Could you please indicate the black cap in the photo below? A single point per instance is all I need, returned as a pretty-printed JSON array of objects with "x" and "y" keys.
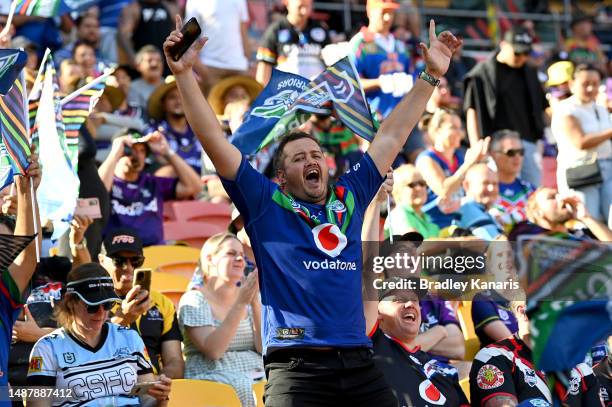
[
  {"x": 92, "y": 284},
  {"x": 520, "y": 39},
  {"x": 398, "y": 287},
  {"x": 124, "y": 239}
]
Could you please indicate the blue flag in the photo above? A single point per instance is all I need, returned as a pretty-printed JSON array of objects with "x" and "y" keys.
[
  {"x": 6, "y": 167},
  {"x": 271, "y": 104},
  {"x": 12, "y": 62}
]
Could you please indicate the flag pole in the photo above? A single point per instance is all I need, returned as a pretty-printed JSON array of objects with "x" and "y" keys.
[
  {"x": 389, "y": 213},
  {"x": 32, "y": 192},
  {"x": 87, "y": 86},
  {"x": 9, "y": 19},
  {"x": 37, "y": 81}
]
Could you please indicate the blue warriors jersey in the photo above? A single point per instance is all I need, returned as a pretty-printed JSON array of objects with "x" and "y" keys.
[
  {"x": 101, "y": 376},
  {"x": 309, "y": 277}
]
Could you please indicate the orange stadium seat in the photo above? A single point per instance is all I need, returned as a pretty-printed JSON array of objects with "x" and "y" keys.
[
  {"x": 258, "y": 390},
  {"x": 174, "y": 296},
  {"x": 179, "y": 268},
  {"x": 191, "y": 232},
  {"x": 168, "y": 282},
  {"x": 156, "y": 256},
  {"x": 202, "y": 393}
]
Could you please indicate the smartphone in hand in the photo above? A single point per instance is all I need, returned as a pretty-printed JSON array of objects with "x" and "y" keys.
[
  {"x": 191, "y": 31},
  {"x": 142, "y": 277},
  {"x": 88, "y": 207}
]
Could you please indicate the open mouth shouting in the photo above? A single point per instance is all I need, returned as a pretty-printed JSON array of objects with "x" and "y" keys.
[
  {"x": 312, "y": 177},
  {"x": 409, "y": 315}
]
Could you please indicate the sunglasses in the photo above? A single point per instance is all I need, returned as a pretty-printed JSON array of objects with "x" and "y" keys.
[
  {"x": 513, "y": 152},
  {"x": 414, "y": 184},
  {"x": 106, "y": 306},
  {"x": 121, "y": 262},
  {"x": 521, "y": 54}
]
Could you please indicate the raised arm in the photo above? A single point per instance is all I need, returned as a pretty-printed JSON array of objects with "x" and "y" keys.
[
  {"x": 24, "y": 265},
  {"x": 225, "y": 157},
  {"x": 189, "y": 183},
  {"x": 369, "y": 236},
  {"x": 394, "y": 131}
]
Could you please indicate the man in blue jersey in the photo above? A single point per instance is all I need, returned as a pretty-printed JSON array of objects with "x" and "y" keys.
[
  {"x": 306, "y": 239},
  {"x": 14, "y": 279}
]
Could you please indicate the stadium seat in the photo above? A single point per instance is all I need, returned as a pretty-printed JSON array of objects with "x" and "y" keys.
[
  {"x": 472, "y": 344},
  {"x": 179, "y": 268},
  {"x": 217, "y": 214},
  {"x": 258, "y": 390},
  {"x": 192, "y": 233},
  {"x": 166, "y": 282},
  {"x": 202, "y": 393},
  {"x": 169, "y": 211},
  {"x": 156, "y": 256},
  {"x": 174, "y": 296},
  {"x": 465, "y": 386}
]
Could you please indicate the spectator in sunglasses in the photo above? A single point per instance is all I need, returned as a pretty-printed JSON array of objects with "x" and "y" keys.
[
  {"x": 504, "y": 92},
  {"x": 95, "y": 359},
  {"x": 508, "y": 152},
  {"x": 410, "y": 194},
  {"x": 149, "y": 313}
]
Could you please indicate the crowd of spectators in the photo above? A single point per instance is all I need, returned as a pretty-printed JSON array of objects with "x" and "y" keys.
[{"x": 472, "y": 170}]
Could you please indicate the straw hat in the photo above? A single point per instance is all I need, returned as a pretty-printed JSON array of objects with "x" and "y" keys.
[
  {"x": 155, "y": 107},
  {"x": 218, "y": 92}
]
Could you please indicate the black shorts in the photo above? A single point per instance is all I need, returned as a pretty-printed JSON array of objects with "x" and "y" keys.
[{"x": 336, "y": 377}]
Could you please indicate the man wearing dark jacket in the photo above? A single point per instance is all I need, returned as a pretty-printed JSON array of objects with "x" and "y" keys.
[{"x": 503, "y": 92}]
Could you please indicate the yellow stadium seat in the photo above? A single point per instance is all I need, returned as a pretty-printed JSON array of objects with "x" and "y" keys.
[
  {"x": 156, "y": 256},
  {"x": 174, "y": 296},
  {"x": 465, "y": 386},
  {"x": 168, "y": 282},
  {"x": 258, "y": 390},
  {"x": 472, "y": 344},
  {"x": 202, "y": 393},
  {"x": 179, "y": 268}
]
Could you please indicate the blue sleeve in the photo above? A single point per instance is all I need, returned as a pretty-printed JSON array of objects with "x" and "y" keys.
[
  {"x": 364, "y": 180},
  {"x": 251, "y": 192},
  {"x": 478, "y": 222},
  {"x": 483, "y": 312}
]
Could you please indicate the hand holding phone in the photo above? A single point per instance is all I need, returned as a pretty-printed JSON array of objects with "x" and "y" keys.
[
  {"x": 142, "y": 277},
  {"x": 175, "y": 46},
  {"x": 89, "y": 207},
  {"x": 190, "y": 33}
]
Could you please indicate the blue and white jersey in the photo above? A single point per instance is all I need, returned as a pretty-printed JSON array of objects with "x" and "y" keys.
[
  {"x": 309, "y": 278},
  {"x": 95, "y": 376}
]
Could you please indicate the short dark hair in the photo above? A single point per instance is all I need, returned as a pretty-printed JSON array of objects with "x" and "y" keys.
[
  {"x": 279, "y": 155},
  {"x": 78, "y": 43},
  {"x": 80, "y": 19},
  {"x": 500, "y": 135},
  {"x": 586, "y": 67}
]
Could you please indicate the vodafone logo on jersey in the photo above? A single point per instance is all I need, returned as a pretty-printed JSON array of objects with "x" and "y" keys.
[
  {"x": 329, "y": 239},
  {"x": 430, "y": 393}
]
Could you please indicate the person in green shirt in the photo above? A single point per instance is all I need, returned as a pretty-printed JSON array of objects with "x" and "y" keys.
[{"x": 410, "y": 194}]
